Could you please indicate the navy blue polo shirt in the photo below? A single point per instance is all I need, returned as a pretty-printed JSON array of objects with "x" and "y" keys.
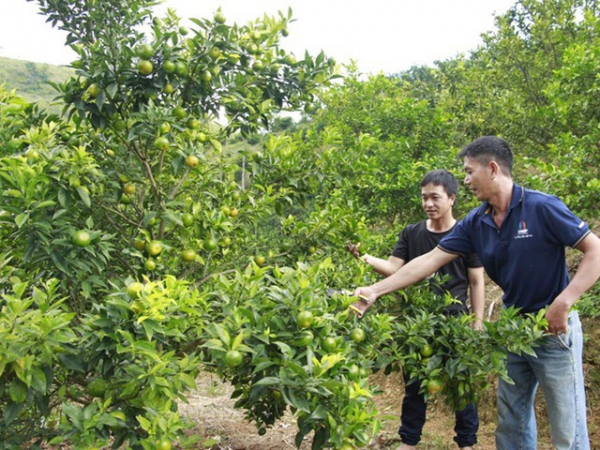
[{"x": 526, "y": 255}]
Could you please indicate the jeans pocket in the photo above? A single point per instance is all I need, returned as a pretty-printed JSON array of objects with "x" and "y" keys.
[{"x": 563, "y": 341}]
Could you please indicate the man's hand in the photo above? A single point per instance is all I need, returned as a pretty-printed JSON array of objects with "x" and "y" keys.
[
  {"x": 353, "y": 249},
  {"x": 366, "y": 299},
  {"x": 478, "y": 325},
  {"x": 558, "y": 317}
]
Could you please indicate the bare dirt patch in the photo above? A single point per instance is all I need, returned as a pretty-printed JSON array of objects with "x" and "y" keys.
[{"x": 211, "y": 409}]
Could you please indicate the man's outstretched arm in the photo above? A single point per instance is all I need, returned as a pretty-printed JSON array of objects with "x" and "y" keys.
[{"x": 409, "y": 274}]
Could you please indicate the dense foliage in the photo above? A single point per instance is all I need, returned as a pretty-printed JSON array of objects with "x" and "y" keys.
[
  {"x": 534, "y": 82},
  {"x": 144, "y": 238}
]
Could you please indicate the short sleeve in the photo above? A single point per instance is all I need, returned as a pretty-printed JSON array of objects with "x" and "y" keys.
[
  {"x": 401, "y": 249},
  {"x": 565, "y": 227},
  {"x": 473, "y": 261},
  {"x": 459, "y": 241}
]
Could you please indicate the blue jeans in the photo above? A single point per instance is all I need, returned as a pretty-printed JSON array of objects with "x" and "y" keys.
[
  {"x": 414, "y": 411},
  {"x": 558, "y": 369}
]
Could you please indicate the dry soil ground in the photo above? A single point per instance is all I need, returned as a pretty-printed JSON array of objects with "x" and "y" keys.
[{"x": 212, "y": 411}]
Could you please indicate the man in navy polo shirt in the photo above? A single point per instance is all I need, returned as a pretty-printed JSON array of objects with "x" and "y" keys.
[{"x": 520, "y": 236}]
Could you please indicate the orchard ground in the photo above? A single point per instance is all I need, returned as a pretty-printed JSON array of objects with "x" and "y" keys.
[{"x": 211, "y": 409}]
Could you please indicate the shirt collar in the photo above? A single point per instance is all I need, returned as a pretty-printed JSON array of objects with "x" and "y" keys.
[{"x": 517, "y": 197}]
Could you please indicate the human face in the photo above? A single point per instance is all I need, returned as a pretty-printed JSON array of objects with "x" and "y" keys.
[
  {"x": 478, "y": 178},
  {"x": 436, "y": 202}
]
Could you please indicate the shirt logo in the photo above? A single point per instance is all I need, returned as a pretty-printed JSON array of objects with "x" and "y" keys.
[{"x": 523, "y": 231}]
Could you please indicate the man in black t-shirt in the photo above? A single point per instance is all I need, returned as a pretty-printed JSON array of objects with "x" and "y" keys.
[
  {"x": 438, "y": 194},
  {"x": 417, "y": 239}
]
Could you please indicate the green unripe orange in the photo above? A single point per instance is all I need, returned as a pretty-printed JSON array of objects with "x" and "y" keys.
[
  {"x": 145, "y": 67},
  {"x": 304, "y": 319},
  {"x": 233, "y": 358},
  {"x": 154, "y": 247},
  {"x": 144, "y": 51},
  {"x": 188, "y": 255},
  {"x": 134, "y": 289},
  {"x": 81, "y": 238}
]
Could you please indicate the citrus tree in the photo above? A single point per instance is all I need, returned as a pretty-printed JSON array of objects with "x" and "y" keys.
[{"x": 119, "y": 214}]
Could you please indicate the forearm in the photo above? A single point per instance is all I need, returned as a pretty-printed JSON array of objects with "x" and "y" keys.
[
  {"x": 587, "y": 274},
  {"x": 412, "y": 272},
  {"x": 381, "y": 266},
  {"x": 478, "y": 301},
  {"x": 408, "y": 274},
  {"x": 477, "y": 292}
]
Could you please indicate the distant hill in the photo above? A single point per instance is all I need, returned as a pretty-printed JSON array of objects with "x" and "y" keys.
[{"x": 31, "y": 79}]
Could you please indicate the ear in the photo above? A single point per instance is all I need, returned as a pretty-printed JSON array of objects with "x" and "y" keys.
[
  {"x": 452, "y": 198},
  {"x": 494, "y": 169}
]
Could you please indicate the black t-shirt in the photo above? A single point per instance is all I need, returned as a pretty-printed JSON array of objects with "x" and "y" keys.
[{"x": 416, "y": 240}]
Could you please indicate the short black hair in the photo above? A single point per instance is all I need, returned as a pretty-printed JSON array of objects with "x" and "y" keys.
[
  {"x": 440, "y": 177},
  {"x": 490, "y": 148}
]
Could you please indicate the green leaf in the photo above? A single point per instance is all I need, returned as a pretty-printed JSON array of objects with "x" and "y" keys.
[
  {"x": 173, "y": 217},
  {"x": 11, "y": 411},
  {"x": 71, "y": 362},
  {"x": 60, "y": 262},
  {"x": 13, "y": 193},
  {"x": 223, "y": 335},
  {"x": 38, "y": 379},
  {"x": 144, "y": 423},
  {"x": 303, "y": 430},
  {"x": 17, "y": 391},
  {"x": 63, "y": 198},
  {"x": 320, "y": 439},
  {"x": 320, "y": 413},
  {"x": 214, "y": 344},
  {"x": 298, "y": 402},
  {"x": 57, "y": 440},
  {"x": 237, "y": 341},
  {"x": 21, "y": 219},
  {"x": 83, "y": 195},
  {"x": 74, "y": 414},
  {"x": 297, "y": 368},
  {"x": 263, "y": 365},
  {"x": 216, "y": 144},
  {"x": 144, "y": 346},
  {"x": 188, "y": 380},
  {"x": 111, "y": 90},
  {"x": 45, "y": 204},
  {"x": 151, "y": 327},
  {"x": 268, "y": 381},
  {"x": 285, "y": 348}
]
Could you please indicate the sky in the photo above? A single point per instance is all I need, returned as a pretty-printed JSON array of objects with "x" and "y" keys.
[{"x": 381, "y": 36}]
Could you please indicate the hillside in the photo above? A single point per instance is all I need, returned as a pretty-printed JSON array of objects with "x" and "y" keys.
[{"x": 31, "y": 80}]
